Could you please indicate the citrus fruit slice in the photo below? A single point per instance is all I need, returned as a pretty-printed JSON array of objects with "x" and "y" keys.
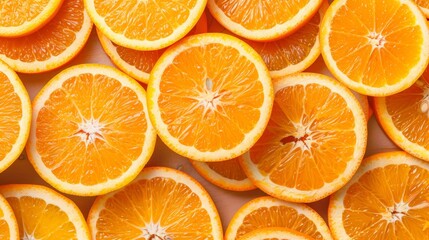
[
  {"x": 210, "y": 97},
  {"x": 265, "y": 212},
  {"x": 91, "y": 133},
  {"x": 314, "y": 142},
  {"x": 161, "y": 203},
  {"x": 225, "y": 174},
  {"x": 275, "y": 234},
  {"x": 51, "y": 46},
  {"x": 8, "y": 225},
  {"x": 424, "y": 6},
  {"x": 263, "y": 21},
  {"x": 15, "y": 116},
  {"x": 386, "y": 199},
  {"x": 23, "y": 17},
  {"x": 404, "y": 117},
  {"x": 375, "y": 48},
  {"x": 135, "y": 63},
  {"x": 147, "y": 25},
  {"x": 42, "y": 213}
]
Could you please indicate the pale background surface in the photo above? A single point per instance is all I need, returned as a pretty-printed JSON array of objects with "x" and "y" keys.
[{"x": 227, "y": 202}]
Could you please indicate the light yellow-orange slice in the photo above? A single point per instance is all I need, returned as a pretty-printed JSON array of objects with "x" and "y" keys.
[
  {"x": 263, "y": 20},
  {"x": 274, "y": 233},
  {"x": 265, "y": 212},
  {"x": 22, "y": 17},
  {"x": 8, "y": 225},
  {"x": 161, "y": 203},
  {"x": 424, "y": 6},
  {"x": 15, "y": 116},
  {"x": 52, "y": 46},
  {"x": 145, "y": 25},
  {"x": 314, "y": 142},
  {"x": 225, "y": 174},
  {"x": 210, "y": 97},
  {"x": 91, "y": 132},
  {"x": 376, "y": 47},
  {"x": 42, "y": 213},
  {"x": 386, "y": 199}
]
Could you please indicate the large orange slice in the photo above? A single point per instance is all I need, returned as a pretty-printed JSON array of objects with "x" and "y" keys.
[
  {"x": 162, "y": 203},
  {"x": 210, "y": 97},
  {"x": 375, "y": 47},
  {"x": 266, "y": 212},
  {"x": 314, "y": 142},
  {"x": 91, "y": 133},
  {"x": 386, "y": 199},
  {"x": 147, "y": 25},
  {"x": 262, "y": 21},
  {"x": 51, "y": 46},
  {"x": 424, "y": 6},
  {"x": 275, "y": 234},
  {"x": 15, "y": 116},
  {"x": 8, "y": 225}
]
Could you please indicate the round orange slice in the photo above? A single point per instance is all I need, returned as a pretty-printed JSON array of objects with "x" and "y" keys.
[
  {"x": 15, "y": 116},
  {"x": 161, "y": 203},
  {"x": 404, "y": 117},
  {"x": 52, "y": 46},
  {"x": 91, "y": 133},
  {"x": 388, "y": 198},
  {"x": 314, "y": 142},
  {"x": 266, "y": 212},
  {"x": 275, "y": 234},
  {"x": 8, "y": 225},
  {"x": 375, "y": 48},
  {"x": 424, "y": 6},
  {"x": 147, "y": 25},
  {"x": 263, "y": 21},
  {"x": 210, "y": 97},
  {"x": 225, "y": 174},
  {"x": 42, "y": 213},
  {"x": 22, "y": 17}
]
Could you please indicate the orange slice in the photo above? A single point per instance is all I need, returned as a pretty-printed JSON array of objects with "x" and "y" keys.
[
  {"x": 8, "y": 224},
  {"x": 51, "y": 46},
  {"x": 424, "y": 6},
  {"x": 91, "y": 133},
  {"x": 210, "y": 97},
  {"x": 15, "y": 116},
  {"x": 161, "y": 203},
  {"x": 314, "y": 142},
  {"x": 263, "y": 21},
  {"x": 405, "y": 118},
  {"x": 265, "y": 212},
  {"x": 139, "y": 64},
  {"x": 22, "y": 17},
  {"x": 386, "y": 199},
  {"x": 275, "y": 234},
  {"x": 147, "y": 25},
  {"x": 225, "y": 174},
  {"x": 42, "y": 213},
  {"x": 375, "y": 48}
]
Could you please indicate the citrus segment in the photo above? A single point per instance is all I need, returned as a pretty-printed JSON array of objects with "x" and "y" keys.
[
  {"x": 275, "y": 234},
  {"x": 424, "y": 6},
  {"x": 161, "y": 203},
  {"x": 8, "y": 224}
]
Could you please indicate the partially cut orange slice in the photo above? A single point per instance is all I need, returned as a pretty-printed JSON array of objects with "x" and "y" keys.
[{"x": 8, "y": 225}]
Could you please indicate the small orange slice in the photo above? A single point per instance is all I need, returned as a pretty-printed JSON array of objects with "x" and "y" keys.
[
  {"x": 51, "y": 46},
  {"x": 275, "y": 234},
  {"x": 8, "y": 225},
  {"x": 91, "y": 132},
  {"x": 388, "y": 198},
  {"x": 210, "y": 97},
  {"x": 424, "y": 6},
  {"x": 161, "y": 203},
  {"x": 265, "y": 212}
]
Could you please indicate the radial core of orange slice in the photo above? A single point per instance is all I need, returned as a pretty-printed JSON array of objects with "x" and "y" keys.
[
  {"x": 91, "y": 133},
  {"x": 388, "y": 198},
  {"x": 314, "y": 142},
  {"x": 210, "y": 97},
  {"x": 375, "y": 47},
  {"x": 52, "y": 46},
  {"x": 8, "y": 225},
  {"x": 147, "y": 25},
  {"x": 161, "y": 203}
]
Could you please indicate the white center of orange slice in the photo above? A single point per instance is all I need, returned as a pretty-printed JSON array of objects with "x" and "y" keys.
[
  {"x": 90, "y": 130},
  {"x": 424, "y": 105},
  {"x": 28, "y": 236},
  {"x": 377, "y": 40},
  {"x": 154, "y": 231}
]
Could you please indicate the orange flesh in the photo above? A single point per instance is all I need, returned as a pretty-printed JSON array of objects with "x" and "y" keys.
[
  {"x": 306, "y": 157},
  {"x": 367, "y": 201},
  {"x": 161, "y": 201},
  {"x": 209, "y": 101},
  {"x": 422, "y": 3},
  {"x": 59, "y": 137},
  {"x": 391, "y": 25},
  {"x": 51, "y": 40},
  {"x": 405, "y": 108},
  {"x": 230, "y": 169},
  {"x": 27, "y": 10},
  {"x": 4, "y": 227},
  {"x": 156, "y": 19},
  {"x": 10, "y": 114}
]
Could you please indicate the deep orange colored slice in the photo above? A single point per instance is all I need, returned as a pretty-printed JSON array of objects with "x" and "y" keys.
[
  {"x": 8, "y": 225},
  {"x": 424, "y": 6}
]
